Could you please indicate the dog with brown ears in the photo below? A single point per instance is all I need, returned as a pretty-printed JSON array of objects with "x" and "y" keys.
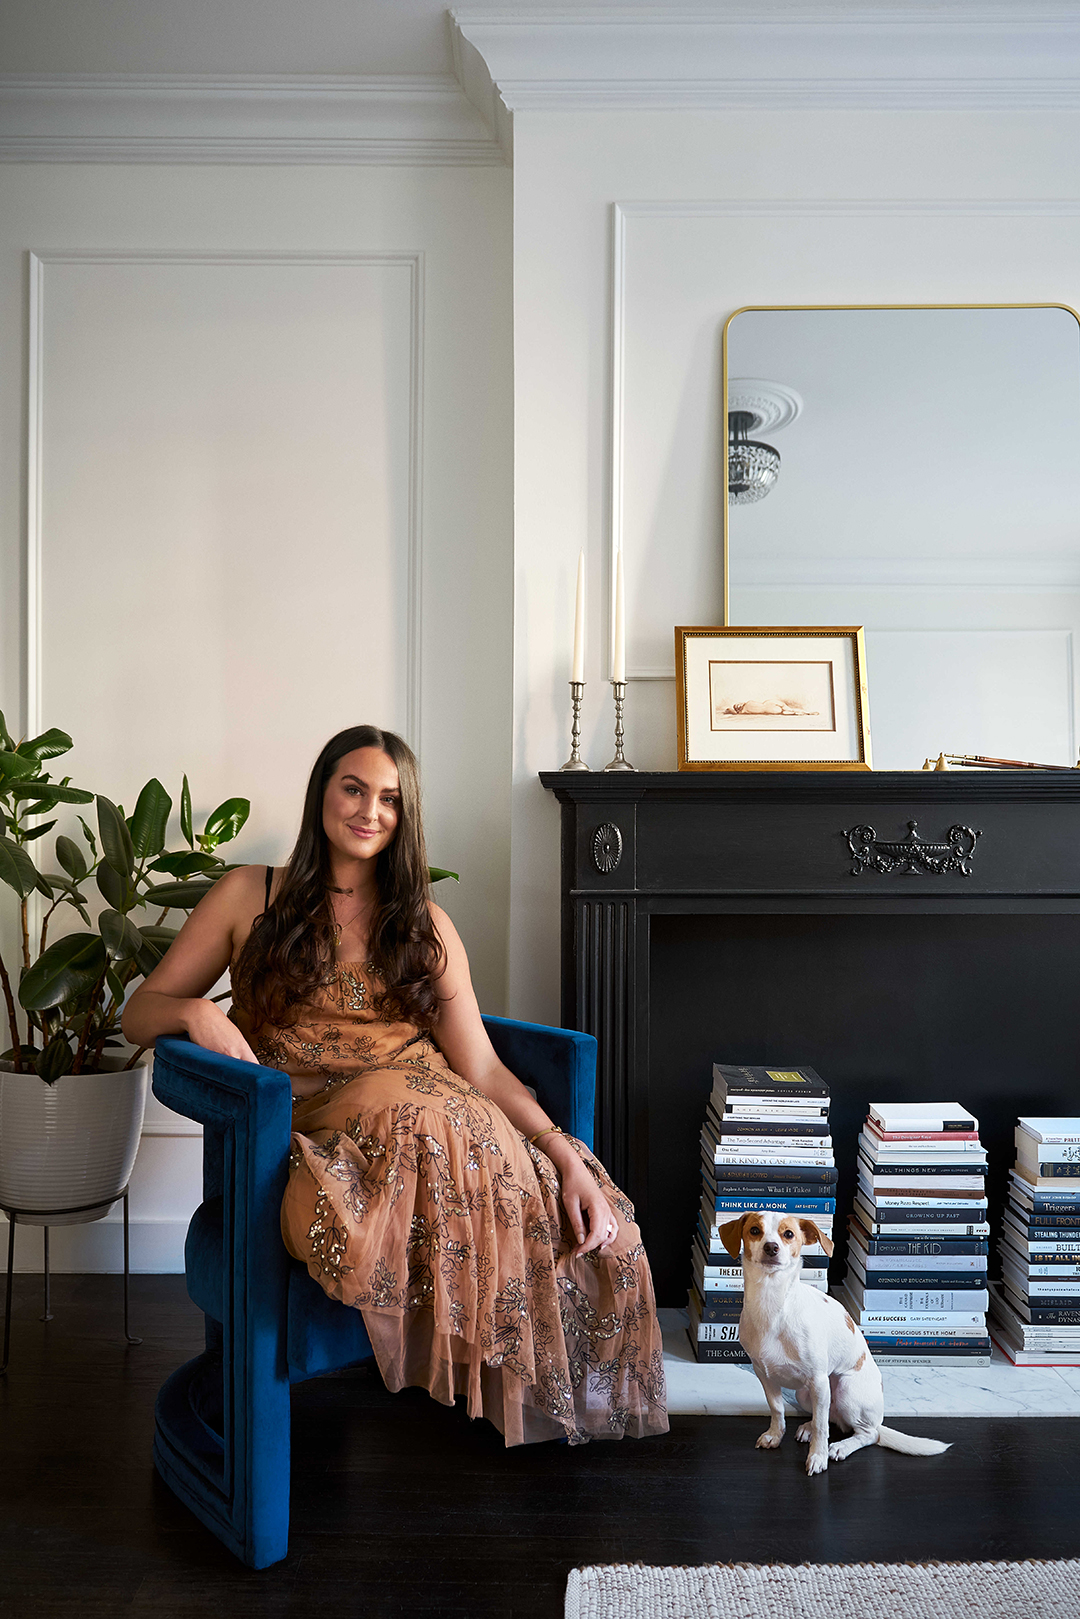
[{"x": 800, "y": 1338}]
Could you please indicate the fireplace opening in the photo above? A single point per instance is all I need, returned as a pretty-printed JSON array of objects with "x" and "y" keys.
[{"x": 976, "y": 1008}]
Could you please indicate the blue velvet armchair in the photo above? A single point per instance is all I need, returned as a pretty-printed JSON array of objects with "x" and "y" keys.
[{"x": 222, "y": 1421}]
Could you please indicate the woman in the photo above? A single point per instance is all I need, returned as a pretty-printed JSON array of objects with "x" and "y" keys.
[{"x": 488, "y": 1251}]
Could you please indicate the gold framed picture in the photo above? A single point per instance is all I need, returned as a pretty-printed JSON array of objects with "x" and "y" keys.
[{"x": 771, "y": 698}]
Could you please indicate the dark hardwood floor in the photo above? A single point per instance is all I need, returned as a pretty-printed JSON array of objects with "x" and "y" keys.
[{"x": 403, "y": 1507}]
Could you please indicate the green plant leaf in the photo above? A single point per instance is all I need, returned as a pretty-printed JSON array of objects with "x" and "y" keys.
[
  {"x": 17, "y": 869},
  {"x": 117, "y": 988},
  {"x": 436, "y": 874},
  {"x": 56, "y": 1060},
  {"x": 185, "y": 864},
  {"x": 114, "y": 889},
  {"x": 148, "y": 958},
  {"x": 182, "y": 896},
  {"x": 88, "y": 835},
  {"x": 155, "y": 934},
  {"x": 185, "y": 814},
  {"x": 49, "y": 745},
  {"x": 121, "y": 938},
  {"x": 17, "y": 766},
  {"x": 70, "y": 857},
  {"x": 37, "y": 831},
  {"x": 115, "y": 837},
  {"x": 150, "y": 819},
  {"x": 7, "y": 741},
  {"x": 51, "y": 793},
  {"x": 69, "y": 968},
  {"x": 227, "y": 820}
]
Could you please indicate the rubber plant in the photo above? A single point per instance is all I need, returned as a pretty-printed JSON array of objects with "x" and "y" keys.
[{"x": 69, "y": 994}]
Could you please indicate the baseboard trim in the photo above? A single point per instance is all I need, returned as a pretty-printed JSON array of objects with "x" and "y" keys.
[{"x": 157, "y": 1247}]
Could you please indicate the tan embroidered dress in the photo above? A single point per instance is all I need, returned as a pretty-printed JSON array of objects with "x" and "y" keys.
[{"x": 412, "y": 1198}]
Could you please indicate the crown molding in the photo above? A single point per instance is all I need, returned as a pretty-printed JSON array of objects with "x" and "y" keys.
[
  {"x": 189, "y": 118},
  {"x": 771, "y": 56}
]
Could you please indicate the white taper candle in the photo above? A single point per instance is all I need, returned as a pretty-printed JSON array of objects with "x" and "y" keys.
[
  {"x": 578, "y": 671},
  {"x": 618, "y": 651}
]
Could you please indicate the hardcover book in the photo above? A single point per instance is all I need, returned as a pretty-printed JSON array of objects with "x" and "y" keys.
[
  {"x": 1060, "y": 1312},
  {"x": 733, "y": 1201},
  {"x": 1049, "y": 1171},
  {"x": 1061, "y": 1131},
  {"x": 1044, "y": 1199},
  {"x": 886, "y": 1319},
  {"x": 942, "y": 1344},
  {"x": 743, "y": 1129},
  {"x": 802, "y": 1112},
  {"x": 934, "y": 1116},
  {"x": 923, "y": 1300},
  {"x": 752, "y": 1083},
  {"x": 944, "y": 1136},
  {"x": 734, "y": 1354},
  {"x": 810, "y": 1175},
  {"x": 919, "y": 1247},
  {"x": 969, "y": 1358},
  {"x": 714, "y": 1332}
]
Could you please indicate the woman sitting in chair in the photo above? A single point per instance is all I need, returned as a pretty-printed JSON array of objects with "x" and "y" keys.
[{"x": 489, "y": 1252}]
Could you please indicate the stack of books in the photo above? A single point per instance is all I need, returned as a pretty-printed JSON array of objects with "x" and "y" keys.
[
  {"x": 765, "y": 1145},
  {"x": 1035, "y": 1310},
  {"x": 919, "y": 1237}
]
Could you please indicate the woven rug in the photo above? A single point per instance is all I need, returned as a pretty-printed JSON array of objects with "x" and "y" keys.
[{"x": 816, "y": 1591}]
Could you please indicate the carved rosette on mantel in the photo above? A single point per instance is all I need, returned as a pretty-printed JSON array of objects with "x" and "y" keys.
[{"x": 647, "y": 854}]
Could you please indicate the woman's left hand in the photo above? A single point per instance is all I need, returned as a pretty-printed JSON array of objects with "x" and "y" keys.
[{"x": 592, "y": 1219}]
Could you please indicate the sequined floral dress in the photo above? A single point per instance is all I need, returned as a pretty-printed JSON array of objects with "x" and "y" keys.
[{"x": 412, "y": 1198}]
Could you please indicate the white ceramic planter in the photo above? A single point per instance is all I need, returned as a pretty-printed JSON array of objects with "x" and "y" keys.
[{"x": 65, "y": 1145}]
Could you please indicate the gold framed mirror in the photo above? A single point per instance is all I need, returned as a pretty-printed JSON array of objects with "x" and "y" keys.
[{"x": 915, "y": 468}]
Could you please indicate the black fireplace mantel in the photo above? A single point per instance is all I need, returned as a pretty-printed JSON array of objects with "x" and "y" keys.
[{"x": 683, "y": 893}]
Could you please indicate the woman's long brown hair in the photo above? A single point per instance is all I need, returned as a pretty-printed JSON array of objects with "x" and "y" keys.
[{"x": 289, "y": 952}]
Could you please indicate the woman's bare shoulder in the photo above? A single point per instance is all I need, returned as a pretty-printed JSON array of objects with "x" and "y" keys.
[{"x": 241, "y": 893}]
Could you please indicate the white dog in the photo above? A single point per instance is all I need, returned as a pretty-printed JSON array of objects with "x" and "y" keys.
[{"x": 798, "y": 1337}]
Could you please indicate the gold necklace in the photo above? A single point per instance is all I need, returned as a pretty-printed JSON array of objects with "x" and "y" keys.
[{"x": 339, "y": 927}]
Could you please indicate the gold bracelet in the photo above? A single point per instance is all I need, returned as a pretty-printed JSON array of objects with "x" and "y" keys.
[{"x": 552, "y": 1130}]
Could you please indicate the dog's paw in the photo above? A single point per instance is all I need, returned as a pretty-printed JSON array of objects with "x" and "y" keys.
[
  {"x": 768, "y": 1440},
  {"x": 839, "y": 1451},
  {"x": 805, "y": 1433},
  {"x": 816, "y": 1462}
]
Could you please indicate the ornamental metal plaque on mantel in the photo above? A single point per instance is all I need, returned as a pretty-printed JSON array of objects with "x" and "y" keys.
[{"x": 913, "y": 853}]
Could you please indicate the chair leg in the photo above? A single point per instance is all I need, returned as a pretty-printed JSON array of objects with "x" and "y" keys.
[
  {"x": 127, "y": 1278},
  {"x": 7, "y": 1293},
  {"x": 48, "y": 1316},
  {"x": 236, "y": 1482}
]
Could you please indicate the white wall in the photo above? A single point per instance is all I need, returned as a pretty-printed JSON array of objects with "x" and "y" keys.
[
  {"x": 615, "y": 214},
  {"x": 273, "y": 454}
]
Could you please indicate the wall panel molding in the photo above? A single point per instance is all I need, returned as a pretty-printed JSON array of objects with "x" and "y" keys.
[
  {"x": 412, "y": 262},
  {"x": 193, "y": 118},
  {"x": 916, "y": 574}
]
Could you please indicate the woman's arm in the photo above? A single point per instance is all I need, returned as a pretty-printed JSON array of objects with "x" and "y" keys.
[
  {"x": 464, "y": 1043},
  {"x": 172, "y": 1000}
]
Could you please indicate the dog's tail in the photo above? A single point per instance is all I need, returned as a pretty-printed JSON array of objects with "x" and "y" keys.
[{"x": 890, "y": 1439}]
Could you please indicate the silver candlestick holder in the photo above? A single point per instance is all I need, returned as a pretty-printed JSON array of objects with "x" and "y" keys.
[
  {"x": 575, "y": 761},
  {"x": 619, "y": 763}
]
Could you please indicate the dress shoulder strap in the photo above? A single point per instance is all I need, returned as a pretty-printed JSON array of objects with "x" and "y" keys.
[{"x": 269, "y": 885}]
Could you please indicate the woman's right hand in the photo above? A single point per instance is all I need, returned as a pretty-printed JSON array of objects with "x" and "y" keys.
[{"x": 209, "y": 1026}]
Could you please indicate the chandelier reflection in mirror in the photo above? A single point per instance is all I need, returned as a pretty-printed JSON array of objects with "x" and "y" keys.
[{"x": 755, "y": 406}]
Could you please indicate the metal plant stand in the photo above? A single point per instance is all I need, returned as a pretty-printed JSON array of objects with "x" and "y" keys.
[{"x": 37, "y": 1215}]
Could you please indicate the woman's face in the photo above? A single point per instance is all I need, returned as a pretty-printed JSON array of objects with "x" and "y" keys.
[{"x": 362, "y": 804}]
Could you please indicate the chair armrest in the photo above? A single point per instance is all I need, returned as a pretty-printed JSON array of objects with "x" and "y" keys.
[
  {"x": 219, "y": 1092},
  {"x": 246, "y": 1113},
  {"x": 560, "y": 1065}
]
